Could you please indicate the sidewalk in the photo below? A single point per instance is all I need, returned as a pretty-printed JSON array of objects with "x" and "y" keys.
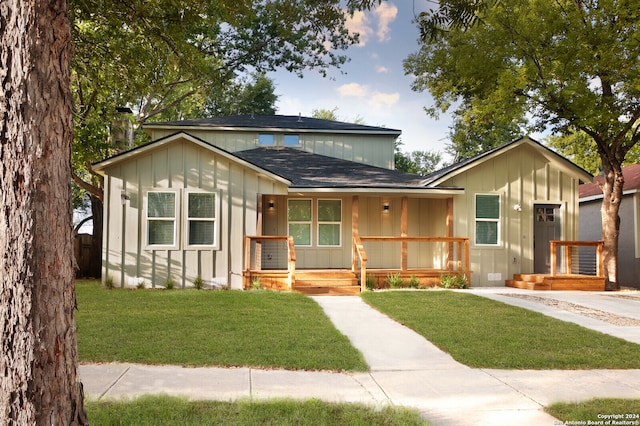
[{"x": 405, "y": 370}]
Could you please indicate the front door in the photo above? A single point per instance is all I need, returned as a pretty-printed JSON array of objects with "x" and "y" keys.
[{"x": 547, "y": 227}]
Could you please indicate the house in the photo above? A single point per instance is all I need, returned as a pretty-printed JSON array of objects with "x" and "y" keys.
[
  {"x": 629, "y": 213},
  {"x": 270, "y": 199}
]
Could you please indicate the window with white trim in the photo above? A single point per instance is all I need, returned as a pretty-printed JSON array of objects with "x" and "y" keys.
[
  {"x": 329, "y": 222},
  {"x": 201, "y": 219},
  {"x": 266, "y": 139},
  {"x": 299, "y": 217},
  {"x": 162, "y": 217},
  {"x": 291, "y": 140},
  {"x": 487, "y": 219}
]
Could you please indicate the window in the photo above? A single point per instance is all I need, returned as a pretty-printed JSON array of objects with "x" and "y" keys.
[
  {"x": 265, "y": 139},
  {"x": 487, "y": 219},
  {"x": 329, "y": 222},
  {"x": 299, "y": 217},
  {"x": 201, "y": 221},
  {"x": 291, "y": 140},
  {"x": 162, "y": 214}
]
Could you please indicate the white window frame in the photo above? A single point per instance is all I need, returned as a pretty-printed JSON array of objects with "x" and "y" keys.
[
  {"x": 339, "y": 223},
  {"x": 298, "y": 222},
  {"x": 497, "y": 221},
  {"x": 187, "y": 220},
  {"x": 175, "y": 219}
]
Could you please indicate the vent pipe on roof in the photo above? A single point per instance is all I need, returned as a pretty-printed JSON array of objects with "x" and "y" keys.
[{"x": 299, "y": 117}]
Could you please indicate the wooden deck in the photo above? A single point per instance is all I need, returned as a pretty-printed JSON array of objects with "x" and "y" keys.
[
  {"x": 557, "y": 282},
  {"x": 340, "y": 282}
]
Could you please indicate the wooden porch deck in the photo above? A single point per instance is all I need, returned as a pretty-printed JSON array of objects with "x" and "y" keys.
[
  {"x": 557, "y": 282},
  {"x": 340, "y": 282}
]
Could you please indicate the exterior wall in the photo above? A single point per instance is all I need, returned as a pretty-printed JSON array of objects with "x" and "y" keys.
[
  {"x": 376, "y": 150},
  {"x": 520, "y": 176},
  {"x": 426, "y": 217},
  {"x": 629, "y": 240},
  {"x": 179, "y": 166}
]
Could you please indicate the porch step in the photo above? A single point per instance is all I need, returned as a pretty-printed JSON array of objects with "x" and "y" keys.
[
  {"x": 558, "y": 282},
  {"x": 528, "y": 282},
  {"x": 327, "y": 283}
]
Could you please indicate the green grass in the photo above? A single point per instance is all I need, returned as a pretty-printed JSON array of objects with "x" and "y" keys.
[
  {"x": 483, "y": 333},
  {"x": 164, "y": 410},
  {"x": 207, "y": 328},
  {"x": 594, "y": 410}
]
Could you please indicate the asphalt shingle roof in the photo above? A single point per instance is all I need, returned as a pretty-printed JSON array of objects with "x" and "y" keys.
[
  {"x": 308, "y": 170},
  {"x": 279, "y": 122}
]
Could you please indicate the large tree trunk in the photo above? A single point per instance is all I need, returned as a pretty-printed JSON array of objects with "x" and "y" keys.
[
  {"x": 39, "y": 381},
  {"x": 612, "y": 197}
]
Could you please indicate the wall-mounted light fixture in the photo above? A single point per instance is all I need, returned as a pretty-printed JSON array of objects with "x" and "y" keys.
[
  {"x": 517, "y": 207},
  {"x": 385, "y": 207},
  {"x": 272, "y": 205},
  {"x": 123, "y": 197}
]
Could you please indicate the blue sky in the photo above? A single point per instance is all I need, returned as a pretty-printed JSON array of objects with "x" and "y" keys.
[{"x": 372, "y": 85}]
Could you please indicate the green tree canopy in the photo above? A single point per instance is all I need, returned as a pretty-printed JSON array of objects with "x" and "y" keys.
[
  {"x": 417, "y": 162},
  {"x": 565, "y": 64}
]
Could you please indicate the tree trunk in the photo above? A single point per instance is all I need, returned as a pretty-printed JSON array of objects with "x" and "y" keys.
[
  {"x": 612, "y": 197},
  {"x": 39, "y": 381}
]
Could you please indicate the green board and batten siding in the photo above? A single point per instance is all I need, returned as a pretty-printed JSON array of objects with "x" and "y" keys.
[
  {"x": 523, "y": 176},
  {"x": 179, "y": 165},
  {"x": 375, "y": 150}
]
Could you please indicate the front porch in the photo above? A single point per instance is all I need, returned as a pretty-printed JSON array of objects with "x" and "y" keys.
[
  {"x": 579, "y": 271},
  {"x": 270, "y": 263}
]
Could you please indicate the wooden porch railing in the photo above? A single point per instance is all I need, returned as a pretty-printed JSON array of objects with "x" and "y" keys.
[
  {"x": 457, "y": 253},
  {"x": 256, "y": 265},
  {"x": 568, "y": 255}
]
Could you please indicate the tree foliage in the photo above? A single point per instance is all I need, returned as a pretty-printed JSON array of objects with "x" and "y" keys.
[
  {"x": 582, "y": 150},
  {"x": 566, "y": 64},
  {"x": 416, "y": 162}
]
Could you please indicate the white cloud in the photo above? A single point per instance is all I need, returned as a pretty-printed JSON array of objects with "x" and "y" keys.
[
  {"x": 380, "y": 69},
  {"x": 375, "y": 99},
  {"x": 385, "y": 13},
  {"x": 359, "y": 23},
  {"x": 384, "y": 100},
  {"x": 353, "y": 90}
]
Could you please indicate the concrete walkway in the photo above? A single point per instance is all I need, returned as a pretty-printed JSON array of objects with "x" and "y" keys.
[{"x": 406, "y": 370}]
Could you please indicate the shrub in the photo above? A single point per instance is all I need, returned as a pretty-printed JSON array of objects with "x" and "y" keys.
[
  {"x": 198, "y": 283},
  {"x": 256, "y": 283},
  {"x": 108, "y": 282},
  {"x": 394, "y": 280},
  {"x": 414, "y": 282},
  {"x": 140, "y": 285},
  {"x": 169, "y": 284},
  {"x": 454, "y": 281},
  {"x": 370, "y": 282}
]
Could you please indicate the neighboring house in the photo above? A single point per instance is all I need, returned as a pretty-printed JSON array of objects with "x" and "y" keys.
[
  {"x": 216, "y": 199},
  {"x": 629, "y": 213}
]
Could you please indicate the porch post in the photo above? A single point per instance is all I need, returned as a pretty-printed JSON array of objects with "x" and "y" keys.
[
  {"x": 355, "y": 212},
  {"x": 449, "y": 233},
  {"x": 404, "y": 226}
]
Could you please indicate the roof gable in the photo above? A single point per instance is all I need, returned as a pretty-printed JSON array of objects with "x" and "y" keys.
[
  {"x": 438, "y": 177},
  {"x": 273, "y": 123},
  {"x": 136, "y": 152}
]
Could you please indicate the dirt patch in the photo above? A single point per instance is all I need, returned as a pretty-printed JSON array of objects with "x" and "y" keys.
[{"x": 583, "y": 310}]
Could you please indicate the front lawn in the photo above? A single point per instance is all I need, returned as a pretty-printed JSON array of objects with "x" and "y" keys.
[
  {"x": 163, "y": 410},
  {"x": 207, "y": 328},
  {"x": 483, "y": 333},
  {"x": 609, "y": 411}
]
